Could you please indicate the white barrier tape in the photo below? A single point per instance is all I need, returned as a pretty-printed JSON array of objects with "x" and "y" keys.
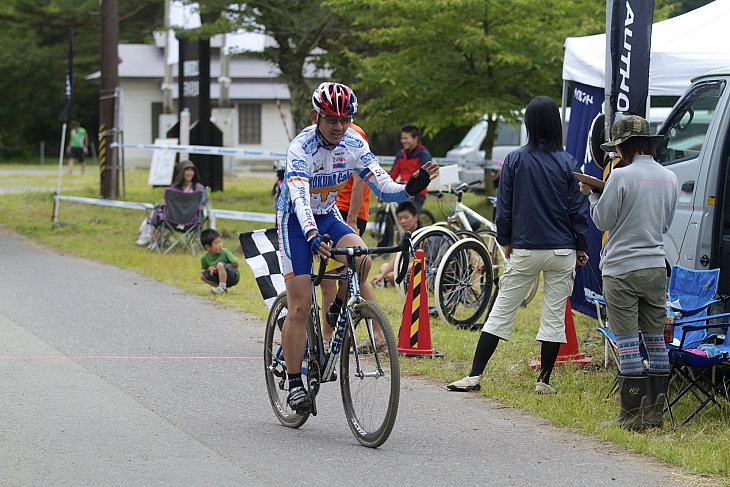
[
  {"x": 249, "y": 154},
  {"x": 245, "y": 216},
  {"x": 133, "y": 205},
  {"x": 204, "y": 149}
]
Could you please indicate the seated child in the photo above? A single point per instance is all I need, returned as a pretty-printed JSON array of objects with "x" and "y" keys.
[{"x": 220, "y": 267}]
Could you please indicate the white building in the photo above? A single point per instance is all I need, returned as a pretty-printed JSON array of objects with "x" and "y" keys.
[{"x": 253, "y": 122}]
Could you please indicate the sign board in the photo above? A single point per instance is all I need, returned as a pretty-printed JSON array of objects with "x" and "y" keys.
[
  {"x": 162, "y": 166},
  {"x": 447, "y": 176}
]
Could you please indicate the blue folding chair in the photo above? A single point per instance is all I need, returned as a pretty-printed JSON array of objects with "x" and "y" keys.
[
  {"x": 691, "y": 293},
  {"x": 694, "y": 353}
]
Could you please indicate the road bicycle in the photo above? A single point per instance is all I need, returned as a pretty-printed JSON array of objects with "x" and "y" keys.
[
  {"x": 385, "y": 226},
  {"x": 364, "y": 343}
]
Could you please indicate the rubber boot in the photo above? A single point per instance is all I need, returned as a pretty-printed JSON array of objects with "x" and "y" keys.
[
  {"x": 656, "y": 395},
  {"x": 632, "y": 390}
]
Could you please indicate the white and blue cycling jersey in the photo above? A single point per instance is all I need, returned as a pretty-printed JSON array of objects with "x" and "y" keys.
[{"x": 315, "y": 174}]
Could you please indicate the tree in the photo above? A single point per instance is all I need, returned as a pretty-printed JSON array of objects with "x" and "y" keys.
[
  {"x": 35, "y": 37},
  {"x": 299, "y": 28},
  {"x": 442, "y": 63}
]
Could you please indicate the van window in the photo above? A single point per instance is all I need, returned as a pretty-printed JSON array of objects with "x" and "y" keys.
[
  {"x": 685, "y": 132},
  {"x": 507, "y": 135}
]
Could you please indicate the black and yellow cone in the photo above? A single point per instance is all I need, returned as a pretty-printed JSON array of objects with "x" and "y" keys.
[{"x": 414, "y": 337}]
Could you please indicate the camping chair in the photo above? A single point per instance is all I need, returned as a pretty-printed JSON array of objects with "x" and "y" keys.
[
  {"x": 180, "y": 221},
  {"x": 692, "y": 354},
  {"x": 694, "y": 366},
  {"x": 691, "y": 292}
]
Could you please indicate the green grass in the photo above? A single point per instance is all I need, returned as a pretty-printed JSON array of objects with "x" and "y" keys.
[{"x": 108, "y": 235}]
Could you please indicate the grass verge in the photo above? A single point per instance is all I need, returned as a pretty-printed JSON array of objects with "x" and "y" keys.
[{"x": 108, "y": 235}]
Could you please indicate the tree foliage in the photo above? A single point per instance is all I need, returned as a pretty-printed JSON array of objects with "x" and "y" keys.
[
  {"x": 302, "y": 29},
  {"x": 35, "y": 37},
  {"x": 449, "y": 62}
]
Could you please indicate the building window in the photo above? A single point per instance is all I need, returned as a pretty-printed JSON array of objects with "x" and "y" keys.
[{"x": 249, "y": 124}]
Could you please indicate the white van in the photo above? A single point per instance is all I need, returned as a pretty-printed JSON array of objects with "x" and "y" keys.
[
  {"x": 469, "y": 153},
  {"x": 696, "y": 147}
]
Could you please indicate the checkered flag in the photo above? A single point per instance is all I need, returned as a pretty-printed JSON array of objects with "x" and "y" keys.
[{"x": 261, "y": 250}]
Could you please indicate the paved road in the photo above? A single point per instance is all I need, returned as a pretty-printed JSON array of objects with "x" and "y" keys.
[{"x": 111, "y": 378}]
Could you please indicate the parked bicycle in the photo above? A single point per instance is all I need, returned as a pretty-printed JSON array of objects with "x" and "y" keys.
[
  {"x": 385, "y": 226},
  {"x": 364, "y": 343}
]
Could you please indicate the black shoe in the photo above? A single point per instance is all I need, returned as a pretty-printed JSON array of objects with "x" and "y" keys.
[
  {"x": 299, "y": 400},
  {"x": 333, "y": 312}
]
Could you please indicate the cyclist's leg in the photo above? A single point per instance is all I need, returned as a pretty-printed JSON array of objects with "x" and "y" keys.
[
  {"x": 296, "y": 264},
  {"x": 363, "y": 264},
  {"x": 329, "y": 291}
]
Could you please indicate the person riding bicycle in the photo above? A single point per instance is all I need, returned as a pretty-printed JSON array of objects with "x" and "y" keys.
[{"x": 319, "y": 162}]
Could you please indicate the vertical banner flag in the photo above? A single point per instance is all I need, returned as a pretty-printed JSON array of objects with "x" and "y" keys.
[
  {"x": 63, "y": 117},
  {"x": 630, "y": 40},
  {"x": 584, "y": 107}
]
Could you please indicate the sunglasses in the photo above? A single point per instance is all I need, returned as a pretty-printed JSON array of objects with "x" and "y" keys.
[{"x": 330, "y": 120}]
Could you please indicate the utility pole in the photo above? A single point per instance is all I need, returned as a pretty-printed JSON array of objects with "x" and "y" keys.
[
  {"x": 167, "y": 82},
  {"x": 108, "y": 100}
]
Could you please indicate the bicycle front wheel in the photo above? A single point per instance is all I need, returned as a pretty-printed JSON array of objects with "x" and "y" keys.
[
  {"x": 464, "y": 283},
  {"x": 370, "y": 375},
  {"x": 434, "y": 241},
  {"x": 277, "y": 384}
]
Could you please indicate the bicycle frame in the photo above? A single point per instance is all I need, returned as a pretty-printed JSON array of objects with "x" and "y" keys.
[
  {"x": 462, "y": 210},
  {"x": 344, "y": 319}
]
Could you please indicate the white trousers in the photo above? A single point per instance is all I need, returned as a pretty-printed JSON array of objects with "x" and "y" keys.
[{"x": 521, "y": 270}]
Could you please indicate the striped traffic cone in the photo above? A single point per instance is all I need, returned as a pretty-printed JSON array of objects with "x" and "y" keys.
[{"x": 414, "y": 337}]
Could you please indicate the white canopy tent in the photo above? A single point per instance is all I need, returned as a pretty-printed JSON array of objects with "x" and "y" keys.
[{"x": 681, "y": 48}]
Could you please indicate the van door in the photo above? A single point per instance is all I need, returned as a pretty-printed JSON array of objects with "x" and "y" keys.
[{"x": 685, "y": 152}]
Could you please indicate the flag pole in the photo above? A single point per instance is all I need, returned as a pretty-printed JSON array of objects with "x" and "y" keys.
[{"x": 60, "y": 170}]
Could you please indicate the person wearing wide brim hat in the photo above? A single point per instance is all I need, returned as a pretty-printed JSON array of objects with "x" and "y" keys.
[
  {"x": 626, "y": 128},
  {"x": 636, "y": 208}
]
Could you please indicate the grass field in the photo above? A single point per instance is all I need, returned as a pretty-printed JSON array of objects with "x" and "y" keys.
[{"x": 108, "y": 234}]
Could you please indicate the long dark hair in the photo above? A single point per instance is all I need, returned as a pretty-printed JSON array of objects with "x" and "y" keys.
[{"x": 542, "y": 121}]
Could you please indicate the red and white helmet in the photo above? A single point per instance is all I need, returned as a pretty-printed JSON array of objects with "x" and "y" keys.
[{"x": 334, "y": 99}]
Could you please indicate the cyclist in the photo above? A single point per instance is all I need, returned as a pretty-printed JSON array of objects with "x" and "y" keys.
[
  {"x": 353, "y": 202},
  {"x": 319, "y": 162}
]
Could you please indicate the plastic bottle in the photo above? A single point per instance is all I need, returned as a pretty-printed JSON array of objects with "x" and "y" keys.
[{"x": 669, "y": 324}]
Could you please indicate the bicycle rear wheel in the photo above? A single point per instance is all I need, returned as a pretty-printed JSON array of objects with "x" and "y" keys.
[
  {"x": 277, "y": 384},
  {"x": 370, "y": 375},
  {"x": 383, "y": 228},
  {"x": 464, "y": 283},
  {"x": 497, "y": 255}
]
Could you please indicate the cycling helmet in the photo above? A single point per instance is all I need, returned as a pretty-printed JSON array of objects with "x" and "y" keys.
[{"x": 334, "y": 99}]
